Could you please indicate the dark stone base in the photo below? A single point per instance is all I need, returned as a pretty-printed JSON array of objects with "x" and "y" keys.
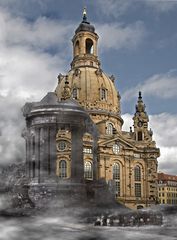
[
  {"x": 68, "y": 193},
  {"x": 88, "y": 202}
]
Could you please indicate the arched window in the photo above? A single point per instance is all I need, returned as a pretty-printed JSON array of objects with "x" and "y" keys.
[
  {"x": 137, "y": 173},
  {"x": 62, "y": 169},
  {"x": 77, "y": 49},
  {"x": 74, "y": 93},
  {"x": 137, "y": 176},
  {"x": 109, "y": 129},
  {"x": 88, "y": 171},
  {"x": 116, "y": 178},
  {"x": 89, "y": 46},
  {"x": 116, "y": 171}
]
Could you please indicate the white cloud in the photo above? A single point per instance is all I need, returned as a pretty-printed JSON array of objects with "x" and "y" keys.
[
  {"x": 27, "y": 72},
  {"x": 164, "y": 128},
  {"x": 113, "y": 7},
  {"x": 117, "y": 36},
  {"x": 42, "y": 33},
  {"x": 119, "y": 7},
  {"x": 161, "y": 5},
  {"x": 159, "y": 85}
]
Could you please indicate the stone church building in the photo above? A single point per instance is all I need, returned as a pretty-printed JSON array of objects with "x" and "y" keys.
[{"x": 76, "y": 131}]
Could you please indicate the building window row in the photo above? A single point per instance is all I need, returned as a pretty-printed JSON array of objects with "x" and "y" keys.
[
  {"x": 88, "y": 169},
  {"x": 88, "y": 174}
]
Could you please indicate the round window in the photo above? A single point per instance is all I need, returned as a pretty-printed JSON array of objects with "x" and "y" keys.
[
  {"x": 116, "y": 148},
  {"x": 61, "y": 145}
]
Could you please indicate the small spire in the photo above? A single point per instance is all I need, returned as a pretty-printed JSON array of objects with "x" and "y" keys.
[
  {"x": 140, "y": 97},
  {"x": 66, "y": 93},
  {"x": 140, "y": 107},
  {"x": 85, "y": 15}
]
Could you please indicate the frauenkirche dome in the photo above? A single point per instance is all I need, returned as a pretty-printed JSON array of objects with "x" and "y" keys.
[{"x": 88, "y": 84}]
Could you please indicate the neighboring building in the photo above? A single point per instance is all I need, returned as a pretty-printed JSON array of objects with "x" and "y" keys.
[
  {"x": 167, "y": 188},
  {"x": 129, "y": 159}
]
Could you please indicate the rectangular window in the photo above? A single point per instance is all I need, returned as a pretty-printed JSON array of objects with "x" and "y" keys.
[
  {"x": 117, "y": 189},
  {"x": 137, "y": 189},
  {"x": 87, "y": 150},
  {"x": 75, "y": 93},
  {"x": 103, "y": 94}
]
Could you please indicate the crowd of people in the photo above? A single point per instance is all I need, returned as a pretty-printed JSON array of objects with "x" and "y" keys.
[{"x": 130, "y": 219}]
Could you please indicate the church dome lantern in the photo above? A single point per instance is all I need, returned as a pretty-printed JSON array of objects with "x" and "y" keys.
[{"x": 85, "y": 43}]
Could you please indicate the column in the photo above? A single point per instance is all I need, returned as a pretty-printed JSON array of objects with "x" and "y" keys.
[
  {"x": 44, "y": 153},
  {"x": 28, "y": 159},
  {"x": 95, "y": 160},
  {"x": 52, "y": 151},
  {"x": 48, "y": 151},
  {"x": 77, "y": 162},
  {"x": 38, "y": 155}
]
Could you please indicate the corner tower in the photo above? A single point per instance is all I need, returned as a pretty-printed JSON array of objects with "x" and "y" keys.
[{"x": 141, "y": 119}]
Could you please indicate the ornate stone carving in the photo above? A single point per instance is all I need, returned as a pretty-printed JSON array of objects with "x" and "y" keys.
[
  {"x": 77, "y": 72},
  {"x": 99, "y": 72},
  {"x": 112, "y": 78},
  {"x": 66, "y": 93},
  {"x": 60, "y": 77}
]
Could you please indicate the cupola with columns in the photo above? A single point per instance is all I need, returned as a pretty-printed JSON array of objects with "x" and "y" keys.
[{"x": 85, "y": 45}]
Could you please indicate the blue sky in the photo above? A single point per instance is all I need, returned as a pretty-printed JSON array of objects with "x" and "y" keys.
[{"x": 138, "y": 45}]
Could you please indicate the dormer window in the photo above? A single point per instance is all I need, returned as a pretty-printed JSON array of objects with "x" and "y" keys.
[
  {"x": 103, "y": 94},
  {"x": 109, "y": 129},
  {"x": 75, "y": 93}
]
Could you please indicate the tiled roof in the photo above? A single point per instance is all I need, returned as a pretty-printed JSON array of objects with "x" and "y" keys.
[{"x": 166, "y": 177}]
